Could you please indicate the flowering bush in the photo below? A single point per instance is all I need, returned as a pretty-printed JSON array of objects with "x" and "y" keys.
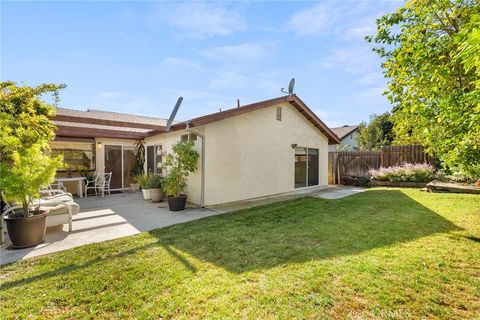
[{"x": 407, "y": 172}]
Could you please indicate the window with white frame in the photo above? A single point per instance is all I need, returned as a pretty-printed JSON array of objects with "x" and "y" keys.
[{"x": 188, "y": 137}]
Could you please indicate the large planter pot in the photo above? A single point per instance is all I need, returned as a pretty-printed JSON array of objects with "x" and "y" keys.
[
  {"x": 146, "y": 194},
  {"x": 177, "y": 203},
  {"x": 156, "y": 195},
  {"x": 134, "y": 186},
  {"x": 26, "y": 232}
]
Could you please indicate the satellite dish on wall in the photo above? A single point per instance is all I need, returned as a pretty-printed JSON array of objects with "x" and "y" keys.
[
  {"x": 291, "y": 86},
  {"x": 174, "y": 112}
]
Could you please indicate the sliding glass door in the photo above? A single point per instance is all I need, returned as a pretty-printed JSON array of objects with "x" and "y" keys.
[
  {"x": 306, "y": 167},
  {"x": 312, "y": 167},
  {"x": 128, "y": 162},
  {"x": 113, "y": 164},
  {"x": 119, "y": 161}
]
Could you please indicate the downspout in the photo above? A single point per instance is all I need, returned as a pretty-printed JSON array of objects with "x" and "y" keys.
[{"x": 202, "y": 184}]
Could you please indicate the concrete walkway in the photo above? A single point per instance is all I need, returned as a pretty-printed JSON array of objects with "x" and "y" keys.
[
  {"x": 125, "y": 214},
  {"x": 330, "y": 192},
  {"x": 101, "y": 219}
]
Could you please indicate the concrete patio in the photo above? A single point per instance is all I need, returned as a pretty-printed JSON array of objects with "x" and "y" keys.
[
  {"x": 126, "y": 214},
  {"x": 330, "y": 192},
  {"x": 101, "y": 219}
]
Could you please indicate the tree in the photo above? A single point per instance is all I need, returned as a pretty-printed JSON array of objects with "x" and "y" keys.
[
  {"x": 377, "y": 133},
  {"x": 430, "y": 52},
  {"x": 180, "y": 163},
  {"x": 26, "y": 129},
  {"x": 137, "y": 169}
]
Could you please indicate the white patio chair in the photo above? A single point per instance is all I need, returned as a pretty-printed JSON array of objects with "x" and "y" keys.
[
  {"x": 101, "y": 183},
  {"x": 60, "y": 209},
  {"x": 57, "y": 186}
]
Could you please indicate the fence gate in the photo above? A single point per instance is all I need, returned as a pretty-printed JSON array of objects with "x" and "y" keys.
[{"x": 357, "y": 163}]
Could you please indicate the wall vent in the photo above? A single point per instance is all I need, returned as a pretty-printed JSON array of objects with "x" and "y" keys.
[{"x": 279, "y": 113}]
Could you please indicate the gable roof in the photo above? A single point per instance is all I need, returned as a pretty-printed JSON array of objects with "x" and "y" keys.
[
  {"x": 294, "y": 100},
  {"x": 96, "y": 123},
  {"x": 342, "y": 132}
]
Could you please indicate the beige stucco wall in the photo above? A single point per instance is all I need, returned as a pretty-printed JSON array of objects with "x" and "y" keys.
[
  {"x": 247, "y": 156},
  {"x": 167, "y": 140},
  {"x": 251, "y": 155}
]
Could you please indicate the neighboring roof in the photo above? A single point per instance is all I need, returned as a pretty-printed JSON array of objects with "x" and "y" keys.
[
  {"x": 96, "y": 123},
  {"x": 342, "y": 132},
  {"x": 294, "y": 100}
]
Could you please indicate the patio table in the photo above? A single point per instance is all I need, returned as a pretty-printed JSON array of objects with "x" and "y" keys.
[{"x": 77, "y": 179}]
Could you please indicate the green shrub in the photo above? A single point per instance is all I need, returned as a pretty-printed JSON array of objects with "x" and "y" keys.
[
  {"x": 142, "y": 180},
  {"x": 154, "y": 181}
]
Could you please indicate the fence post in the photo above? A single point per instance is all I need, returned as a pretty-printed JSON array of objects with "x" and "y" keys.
[{"x": 381, "y": 156}]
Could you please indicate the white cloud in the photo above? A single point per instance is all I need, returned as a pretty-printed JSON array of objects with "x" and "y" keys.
[
  {"x": 312, "y": 21},
  {"x": 331, "y": 118},
  {"x": 258, "y": 83},
  {"x": 178, "y": 63},
  {"x": 203, "y": 20},
  {"x": 229, "y": 80},
  {"x": 371, "y": 78},
  {"x": 355, "y": 59},
  {"x": 123, "y": 102},
  {"x": 245, "y": 51},
  {"x": 359, "y": 28}
]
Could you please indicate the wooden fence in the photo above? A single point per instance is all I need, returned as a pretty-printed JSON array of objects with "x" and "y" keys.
[{"x": 357, "y": 163}]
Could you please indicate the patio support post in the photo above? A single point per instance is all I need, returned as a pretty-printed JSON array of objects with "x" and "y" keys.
[{"x": 202, "y": 186}]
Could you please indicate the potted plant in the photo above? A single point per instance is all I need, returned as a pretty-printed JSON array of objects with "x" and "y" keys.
[
  {"x": 138, "y": 164},
  {"x": 155, "y": 186},
  {"x": 143, "y": 183},
  {"x": 179, "y": 164},
  {"x": 25, "y": 165}
]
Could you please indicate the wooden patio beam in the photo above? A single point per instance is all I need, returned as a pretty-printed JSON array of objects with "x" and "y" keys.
[
  {"x": 112, "y": 123},
  {"x": 67, "y": 131}
]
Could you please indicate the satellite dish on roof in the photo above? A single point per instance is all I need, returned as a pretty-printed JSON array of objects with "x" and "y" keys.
[
  {"x": 174, "y": 112},
  {"x": 291, "y": 86}
]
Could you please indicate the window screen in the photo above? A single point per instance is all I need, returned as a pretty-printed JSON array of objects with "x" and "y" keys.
[{"x": 76, "y": 155}]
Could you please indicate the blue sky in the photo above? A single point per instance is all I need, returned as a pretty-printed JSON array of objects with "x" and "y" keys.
[{"x": 138, "y": 57}]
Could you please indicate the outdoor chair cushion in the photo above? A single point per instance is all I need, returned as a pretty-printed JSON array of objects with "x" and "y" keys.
[{"x": 60, "y": 209}]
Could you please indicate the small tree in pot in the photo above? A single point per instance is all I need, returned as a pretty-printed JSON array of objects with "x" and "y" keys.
[
  {"x": 179, "y": 164},
  {"x": 25, "y": 166},
  {"x": 137, "y": 169}
]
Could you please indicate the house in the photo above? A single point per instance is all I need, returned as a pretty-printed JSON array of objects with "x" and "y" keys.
[
  {"x": 256, "y": 150},
  {"x": 348, "y": 138}
]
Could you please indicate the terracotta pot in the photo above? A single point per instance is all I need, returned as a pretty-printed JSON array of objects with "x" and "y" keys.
[
  {"x": 177, "y": 203},
  {"x": 26, "y": 232},
  {"x": 134, "y": 186},
  {"x": 146, "y": 194},
  {"x": 156, "y": 195}
]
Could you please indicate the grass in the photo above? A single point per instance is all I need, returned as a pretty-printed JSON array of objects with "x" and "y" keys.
[{"x": 384, "y": 253}]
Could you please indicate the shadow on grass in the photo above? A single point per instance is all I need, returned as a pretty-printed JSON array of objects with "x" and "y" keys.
[
  {"x": 288, "y": 232},
  {"x": 305, "y": 229}
]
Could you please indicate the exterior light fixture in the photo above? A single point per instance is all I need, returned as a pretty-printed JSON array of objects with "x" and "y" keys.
[
  {"x": 294, "y": 145},
  {"x": 99, "y": 144}
]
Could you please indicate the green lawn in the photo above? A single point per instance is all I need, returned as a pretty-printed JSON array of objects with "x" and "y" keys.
[{"x": 384, "y": 253}]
